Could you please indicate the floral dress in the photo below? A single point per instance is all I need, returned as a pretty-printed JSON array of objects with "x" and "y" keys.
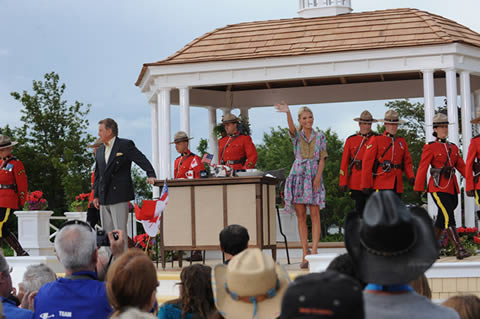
[{"x": 299, "y": 184}]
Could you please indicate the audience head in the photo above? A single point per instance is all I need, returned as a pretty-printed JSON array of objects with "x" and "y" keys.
[
  {"x": 36, "y": 276},
  {"x": 5, "y": 279},
  {"x": 421, "y": 286},
  {"x": 391, "y": 244},
  {"x": 467, "y": 306},
  {"x": 328, "y": 294},
  {"x": 234, "y": 239},
  {"x": 251, "y": 285},
  {"x": 132, "y": 282},
  {"x": 76, "y": 246},
  {"x": 196, "y": 294},
  {"x": 344, "y": 264}
]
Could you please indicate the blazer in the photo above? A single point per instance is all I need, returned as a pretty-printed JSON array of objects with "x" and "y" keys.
[{"x": 113, "y": 180}]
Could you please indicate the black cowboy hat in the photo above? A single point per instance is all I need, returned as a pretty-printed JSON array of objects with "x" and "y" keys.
[{"x": 391, "y": 244}]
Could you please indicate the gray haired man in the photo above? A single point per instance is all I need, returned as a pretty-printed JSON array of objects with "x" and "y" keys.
[
  {"x": 10, "y": 309},
  {"x": 33, "y": 279}
]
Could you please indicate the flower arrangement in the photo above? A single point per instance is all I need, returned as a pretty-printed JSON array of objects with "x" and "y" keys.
[
  {"x": 81, "y": 203},
  {"x": 142, "y": 240},
  {"x": 35, "y": 201},
  {"x": 470, "y": 238}
]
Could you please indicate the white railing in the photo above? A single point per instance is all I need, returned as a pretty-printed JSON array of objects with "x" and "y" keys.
[
  {"x": 305, "y": 4},
  {"x": 55, "y": 228}
]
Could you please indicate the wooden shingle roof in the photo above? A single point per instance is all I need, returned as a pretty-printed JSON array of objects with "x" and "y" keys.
[{"x": 299, "y": 36}]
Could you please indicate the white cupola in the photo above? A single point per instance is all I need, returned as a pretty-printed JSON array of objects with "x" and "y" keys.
[{"x": 323, "y": 8}]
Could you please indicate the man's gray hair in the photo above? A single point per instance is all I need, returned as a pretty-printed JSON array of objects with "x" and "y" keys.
[
  {"x": 36, "y": 276},
  {"x": 75, "y": 246}
]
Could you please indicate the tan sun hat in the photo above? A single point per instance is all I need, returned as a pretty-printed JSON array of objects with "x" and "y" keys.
[
  {"x": 440, "y": 119},
  {"x": 230, "y": 118},
  {"x": 365, "y": 117},
  {"x": 98, "y": 142},
  {"x": 252, "y": 284},
  {"x": 391, "y": 117},
  {"x": 180, "y": 136},
  {"x": 6, "y": 142}
]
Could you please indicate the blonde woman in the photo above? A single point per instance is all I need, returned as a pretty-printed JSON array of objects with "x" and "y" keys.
[{"x": 304, "y": 185}]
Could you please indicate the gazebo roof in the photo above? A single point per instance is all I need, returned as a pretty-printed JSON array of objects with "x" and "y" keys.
[{"x": 300, "y": 36}]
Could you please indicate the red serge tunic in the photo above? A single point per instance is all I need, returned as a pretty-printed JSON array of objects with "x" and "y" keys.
[
  {"x": 237, "y": 151},
  {"x": 185, "y": 162},
  {"x": 354, "y": 149},
  {"x": 437, "y": 155},
  {"x": 398, "y": 154},
  {"x": 473, "y": 155},
  {"x": 13, "y": 181}
]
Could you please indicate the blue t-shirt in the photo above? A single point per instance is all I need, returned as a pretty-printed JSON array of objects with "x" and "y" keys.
[
  {"x": 10, "y": 310},
  {"x": 78, "y": 298},
  {"x": 172, "y": 311}
]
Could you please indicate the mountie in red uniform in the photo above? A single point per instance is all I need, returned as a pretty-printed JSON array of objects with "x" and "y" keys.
[
  {"x": 13, "y": 183},
  {"x": 440, "y": 154},
  {"x": 185, "y": 162},
  {"x": 386, "y": 157},
  {"x": 237, "y": 151},
  {"x": 472, "y": 169}
]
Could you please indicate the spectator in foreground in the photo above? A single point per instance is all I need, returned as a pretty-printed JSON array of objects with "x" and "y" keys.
[
  {"x": 33, "y": 279},
  {"x": 79, "y": 294},
  {"x": 390, "y": 247},
  {"x": 233, "y": 240},
  {"x": 132, "y": 283},
  {"x": 329, "y": 294},
  {"x": 343, "y": 264},
  {"x": 467, "y": 306},
  {"x": 196, "y": 296},
  {"x": 10, "y": 309},
  {"x": 251, "y": 286}
]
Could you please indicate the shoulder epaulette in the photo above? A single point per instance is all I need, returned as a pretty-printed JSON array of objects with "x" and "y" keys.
[
  {"x": 476, "y": 136},
  {"x": 431, "y": 142},
  {"x": 353, "y": 135}
]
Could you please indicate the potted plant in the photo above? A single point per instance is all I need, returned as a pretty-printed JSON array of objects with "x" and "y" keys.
[{"x": 80, "y": 204}]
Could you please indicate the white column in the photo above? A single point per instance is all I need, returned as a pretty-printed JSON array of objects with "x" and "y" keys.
[
  {"x": 184, "y": 93},
  {"x": 429, "y": 107},
  {"x": 466, "y": 137},
  {"x": 164, "y": 136},
  {"x": 154, "y": 116},
  {"x": 451, "y": 85},
  {"x": 244, "y": 113},
  {"x": 212, "y": 138}
]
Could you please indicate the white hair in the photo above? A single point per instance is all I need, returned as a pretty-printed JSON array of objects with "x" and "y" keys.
[
  {"x": 75, "y": 245},
  {"x": 134, "y": 313},
  {"x": 36, "y": 276}
]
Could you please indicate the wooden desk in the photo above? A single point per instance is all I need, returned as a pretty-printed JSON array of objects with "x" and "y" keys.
[{"x": 198, "y": 209}]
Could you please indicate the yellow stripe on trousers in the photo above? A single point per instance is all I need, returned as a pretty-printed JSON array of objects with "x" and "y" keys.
[
  {"x": 442, "y": 208},
  {"x": 476, "y": 197},
  {"x": 7, "y": 213}
]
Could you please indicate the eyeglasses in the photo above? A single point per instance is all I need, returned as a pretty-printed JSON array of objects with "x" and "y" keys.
[{"x": 76, "y": 222}]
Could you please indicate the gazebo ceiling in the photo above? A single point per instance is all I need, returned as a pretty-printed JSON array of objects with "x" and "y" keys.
[{"x": 383, "y": 29}]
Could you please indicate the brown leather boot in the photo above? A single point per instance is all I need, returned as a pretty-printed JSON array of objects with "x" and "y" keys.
[
  {"x": 10, "y": 238},
  {"x": 460, "y": 251}
]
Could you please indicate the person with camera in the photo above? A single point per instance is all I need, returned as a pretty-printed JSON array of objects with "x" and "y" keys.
[
  {"x": 443, "y": 158},
  {"x": 79, "y": 294},
  {"x": 351, "y": 165},
  {"x": 386, "y": 158}
]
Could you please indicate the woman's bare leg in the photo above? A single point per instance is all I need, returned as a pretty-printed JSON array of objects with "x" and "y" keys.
[
  {"x": 301, "y": 211},
  {"x": 316, "y": 229}
]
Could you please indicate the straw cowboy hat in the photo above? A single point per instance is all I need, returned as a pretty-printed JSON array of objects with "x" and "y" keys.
[
  {"x": 98, "y": 142},
  {"x": 180, "y": 136},
  {"x": 252, "y": 285},
  {"x": 391, "y": 117},
  {"x": 440, "y": 119},
  {"x": 391, "y": 244},
  {"x": 6, "y": 142},
  {"x": 365, "y": 117},
  {"x": 230, "y": 118}
]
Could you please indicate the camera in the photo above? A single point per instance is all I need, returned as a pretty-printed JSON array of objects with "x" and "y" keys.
[{"x": 102, "y": 238}]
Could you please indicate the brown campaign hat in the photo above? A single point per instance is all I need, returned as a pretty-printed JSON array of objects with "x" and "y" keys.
[
  {"x": 365, "y": 117},
  {"x": 229, "y": 118},
  {"x": 180, "y": 136},
  {"x": 440, "y": 119},
  {"x": 391, "y": 117},
  {"x": 6, "y": 142},
  {"x": 476, "y": 120}
]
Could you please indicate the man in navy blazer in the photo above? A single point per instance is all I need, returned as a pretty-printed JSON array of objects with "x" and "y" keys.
[{"x": 113, "y": 187}]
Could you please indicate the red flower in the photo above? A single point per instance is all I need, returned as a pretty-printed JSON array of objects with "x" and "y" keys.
[
  {"x": 460, "y": 230},
  {"x": 476, "y": 240}
]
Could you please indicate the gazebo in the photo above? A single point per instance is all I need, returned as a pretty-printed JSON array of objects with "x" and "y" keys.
[{"x": 328, "y": 54}]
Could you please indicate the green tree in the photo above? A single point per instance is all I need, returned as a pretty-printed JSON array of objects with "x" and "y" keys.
[
  {"x": 142, "y": 189},
  {"x": 53, "y": 142},
  {"x": 276, "y": 151}
]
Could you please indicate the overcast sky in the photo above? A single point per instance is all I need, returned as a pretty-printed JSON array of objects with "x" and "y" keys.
[{"x": 98, "y": 48}]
